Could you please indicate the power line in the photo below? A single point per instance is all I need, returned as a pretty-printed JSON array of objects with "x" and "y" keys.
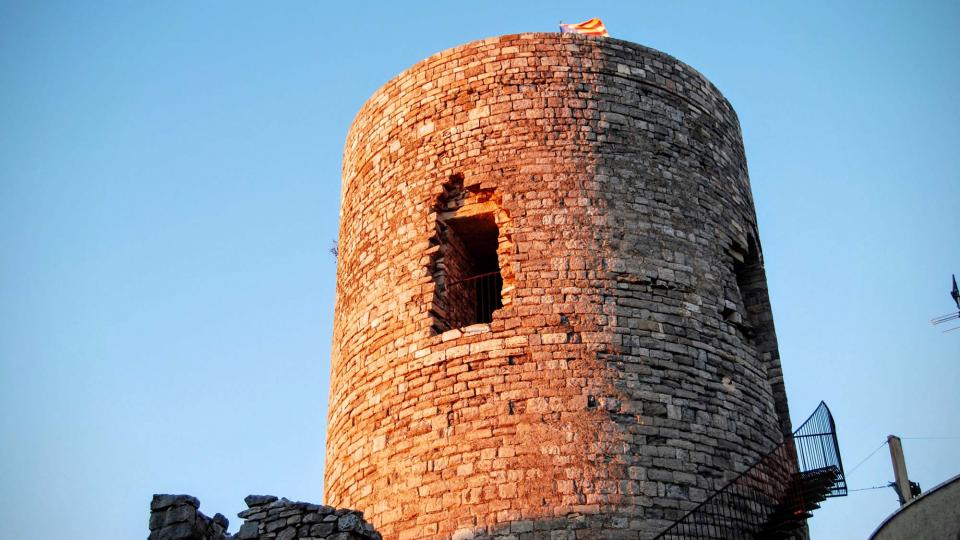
[
  {"x": 891, "y": 484},
  {"x": 885, "y": 486},
  {"x": 864, "y": 460}
]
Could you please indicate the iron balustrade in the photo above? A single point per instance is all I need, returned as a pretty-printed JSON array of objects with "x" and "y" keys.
[
  {"x": 481, "y": 293},
  {"x": 773, "y": 497},
  {"x": 817, "y": 447}
]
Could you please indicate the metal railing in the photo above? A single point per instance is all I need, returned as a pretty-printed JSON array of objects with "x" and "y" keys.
[
  {"x": 817, "y": 447},
  {"x": 774, "y": 495},
  {"x": 478, "y": 296}
]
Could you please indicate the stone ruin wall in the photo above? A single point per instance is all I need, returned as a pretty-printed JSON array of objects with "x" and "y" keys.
[
  {"x": 633, "y": 367},
  {"x": 178, "y": 517}
]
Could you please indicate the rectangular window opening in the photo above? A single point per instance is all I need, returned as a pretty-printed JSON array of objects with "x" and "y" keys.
[
  {"x": 751, "y": 285},
  {"x": 473, "y": 282}
]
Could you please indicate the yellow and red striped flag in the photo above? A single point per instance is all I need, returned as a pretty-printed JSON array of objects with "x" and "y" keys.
[{"x": 593, "y": 27}]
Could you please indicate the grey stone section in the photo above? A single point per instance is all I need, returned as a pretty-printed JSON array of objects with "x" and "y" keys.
[
  {"x": 178, "y": 517},
  {"x": 697, "y": 350}
]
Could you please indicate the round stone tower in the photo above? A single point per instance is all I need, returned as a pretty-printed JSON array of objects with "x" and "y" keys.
[{"x": 551, "y": 305}]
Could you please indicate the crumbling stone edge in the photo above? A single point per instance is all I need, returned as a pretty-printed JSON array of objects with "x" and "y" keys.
[{"x": 178, "y": 517}]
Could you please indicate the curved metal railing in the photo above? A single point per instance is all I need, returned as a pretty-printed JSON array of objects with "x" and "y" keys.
[{"x": 775, "y": 495}]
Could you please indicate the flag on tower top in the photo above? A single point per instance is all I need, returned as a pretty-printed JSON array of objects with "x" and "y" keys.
[{"x": 593, "y": 27}]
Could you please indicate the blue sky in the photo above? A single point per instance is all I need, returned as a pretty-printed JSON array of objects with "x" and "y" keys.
[{"x": 169, "y": 182}]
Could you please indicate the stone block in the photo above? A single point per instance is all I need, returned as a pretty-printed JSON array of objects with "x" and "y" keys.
[
  {"x": 248, "y": 531},
  {"x": 258, "y": 500}
]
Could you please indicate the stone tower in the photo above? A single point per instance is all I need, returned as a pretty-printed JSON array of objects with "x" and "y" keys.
[{"x": 551, "y": 309}]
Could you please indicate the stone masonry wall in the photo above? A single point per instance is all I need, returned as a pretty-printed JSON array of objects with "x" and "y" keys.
[
  {"x": 633, "y": 367},
  {"x": 178, "y": 517}
]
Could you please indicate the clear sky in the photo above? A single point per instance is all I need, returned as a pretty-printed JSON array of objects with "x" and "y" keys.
[{"x": 169, "y": 182}]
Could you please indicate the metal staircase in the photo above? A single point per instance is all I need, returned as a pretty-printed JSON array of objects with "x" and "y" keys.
[{"x": 773, "y": 498}]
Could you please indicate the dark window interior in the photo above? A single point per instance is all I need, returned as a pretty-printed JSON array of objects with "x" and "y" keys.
[{"x": 472, "y": 277}]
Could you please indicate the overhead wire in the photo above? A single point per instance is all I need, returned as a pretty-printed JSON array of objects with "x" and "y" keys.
[
  {"x": 864, "y": 460},
  {"x": 869, "y": 488}
]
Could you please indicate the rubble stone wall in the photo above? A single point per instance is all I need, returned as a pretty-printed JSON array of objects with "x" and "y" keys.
[
  {"x": 633, "y": 368},
  {"x": 178, "y": 517}
]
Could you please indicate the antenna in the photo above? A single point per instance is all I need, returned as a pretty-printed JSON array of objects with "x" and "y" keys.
[{"x": 955, "y": 294}]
